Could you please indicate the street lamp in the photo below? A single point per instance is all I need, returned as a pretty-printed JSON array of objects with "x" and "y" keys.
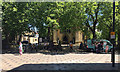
[{"x": 113, "y": 51}]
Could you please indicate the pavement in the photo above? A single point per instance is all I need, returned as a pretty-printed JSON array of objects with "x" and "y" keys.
[{"x": 70, "y": 61}]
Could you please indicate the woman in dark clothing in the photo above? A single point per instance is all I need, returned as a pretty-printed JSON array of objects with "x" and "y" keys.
[
  {"x": 100, "y": 47},
  {"x": 81, "y": 45},
  {"x": 85, "y": 45}
]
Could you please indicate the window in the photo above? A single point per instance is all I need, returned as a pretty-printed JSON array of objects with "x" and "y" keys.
[
  {"x": 35, "y": 39},
  {"x": 24, "y": 39},
  {"x": 108, "y": 43},
  {"x": 68, "y": 30}
]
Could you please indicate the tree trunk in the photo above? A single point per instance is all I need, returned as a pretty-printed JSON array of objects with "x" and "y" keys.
[
  {"x": 94, "y": 27},
  {"x": 15, "y": 38},
  {"x": 7, "y": 39},
  {"x": 49, "y": 38},
  {"x": 52, "y": 34},
  {"x": 20, "y": 37},
  {"x": 48, "y": 34},
  {"x": 94, "y": 36},
  {"x": 6, "y": 42}
]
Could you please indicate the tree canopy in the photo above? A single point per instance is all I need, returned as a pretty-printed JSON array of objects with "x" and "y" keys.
[{"x": 47, "y": 16}]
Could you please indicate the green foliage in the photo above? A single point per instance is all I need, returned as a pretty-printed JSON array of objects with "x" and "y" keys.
[
  {"x": 14, "y": 19},
  {"x": 92, "y": 15},
  {"x": 72, "y": 17},
  {"x": 98, "y": 35},
  {"x": 85, "y": 16},
  {"x": 106, "y": 20}
]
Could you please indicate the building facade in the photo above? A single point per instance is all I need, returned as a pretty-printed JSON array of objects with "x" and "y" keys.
[
  {"x": 67, "y": 37},
  {"x": 31, "y": 37}
]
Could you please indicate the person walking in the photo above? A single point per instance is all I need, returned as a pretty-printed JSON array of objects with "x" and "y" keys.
[
  {"x": 45, "y": 46},
  {"x": 71, "y": 45},
  {"x": 85, "y": 45},
  {"x": 59, "y": 46},
  {"x": 106, "y": 50},
  {"x": 21, "y": 49},
  {"x": 96, "y": 47},
  {"x": 81, "y": 45},
  {"x": 30, "y": 47},
  {"x": 100, "y": 47},
  {"x": 36, "y": 47}
]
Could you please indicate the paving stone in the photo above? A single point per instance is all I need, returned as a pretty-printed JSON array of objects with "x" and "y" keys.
[{"x": 69, "y": 61}]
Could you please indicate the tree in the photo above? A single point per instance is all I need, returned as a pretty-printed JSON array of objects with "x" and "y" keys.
[
  {"x": 72, "y": 18},
  {"x": 14, "y": 20},
  {"x": 92, "y": 10},
  {"x": 117, "y": 22},
  {"x": 105, "y": 21}
]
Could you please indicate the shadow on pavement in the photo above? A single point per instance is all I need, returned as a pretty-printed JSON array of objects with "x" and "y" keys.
[
  {"x": 107, "y": 67},
  {"x": 47, "y": 52},
  {"x": 65, "y": 50},
  {"x": 55, "y": 51}
]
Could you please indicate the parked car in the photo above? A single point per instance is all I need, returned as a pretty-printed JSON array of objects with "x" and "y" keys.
[
  {"x": 107, "y": 43},
  {"x": 91, "y": 44}
]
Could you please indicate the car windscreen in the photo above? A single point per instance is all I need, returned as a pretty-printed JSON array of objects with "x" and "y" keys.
[{"x": 108, "y": 43}]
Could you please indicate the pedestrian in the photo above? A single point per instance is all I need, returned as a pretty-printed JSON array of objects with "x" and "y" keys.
[
  {"x": 71, "y": 45},
  {"x": 30, "y": 47},
  {"x": 21, "y": 49},
  {"x": 36, "y": 47},
  {"x": 45, "y": 45},
  {"x": 106, "y": 50},
  {"x": 96, "y": 47},
  {"x": 59, "y": 46},
  {"x": 81, "y": 45},
  {"x": 85, "y": 45},
  {"x": 100, "y": 47}
]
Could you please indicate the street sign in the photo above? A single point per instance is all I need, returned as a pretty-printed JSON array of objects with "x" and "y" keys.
[{"x": 112, "y": 35}]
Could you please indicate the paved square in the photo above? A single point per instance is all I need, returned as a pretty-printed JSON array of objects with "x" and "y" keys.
[{"x": 71, "y": 61}]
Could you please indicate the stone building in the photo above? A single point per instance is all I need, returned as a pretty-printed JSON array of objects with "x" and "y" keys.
[
  {"x": 31, "y": 37},
  {"x": 66, "y": 37}
]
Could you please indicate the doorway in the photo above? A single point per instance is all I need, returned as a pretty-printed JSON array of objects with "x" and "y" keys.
[{"x": 65, "y": 40}]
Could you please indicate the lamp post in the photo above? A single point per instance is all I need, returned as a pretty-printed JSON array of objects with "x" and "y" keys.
[{"x": 113, "y": 51}]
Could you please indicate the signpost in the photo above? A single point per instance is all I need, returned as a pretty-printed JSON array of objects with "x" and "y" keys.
[
  {"x": 112, "y": 35},
  {"x": 112, "y": 54}
]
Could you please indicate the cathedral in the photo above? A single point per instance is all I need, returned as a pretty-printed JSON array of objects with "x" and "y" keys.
[{"x": 67, "y": 37}]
